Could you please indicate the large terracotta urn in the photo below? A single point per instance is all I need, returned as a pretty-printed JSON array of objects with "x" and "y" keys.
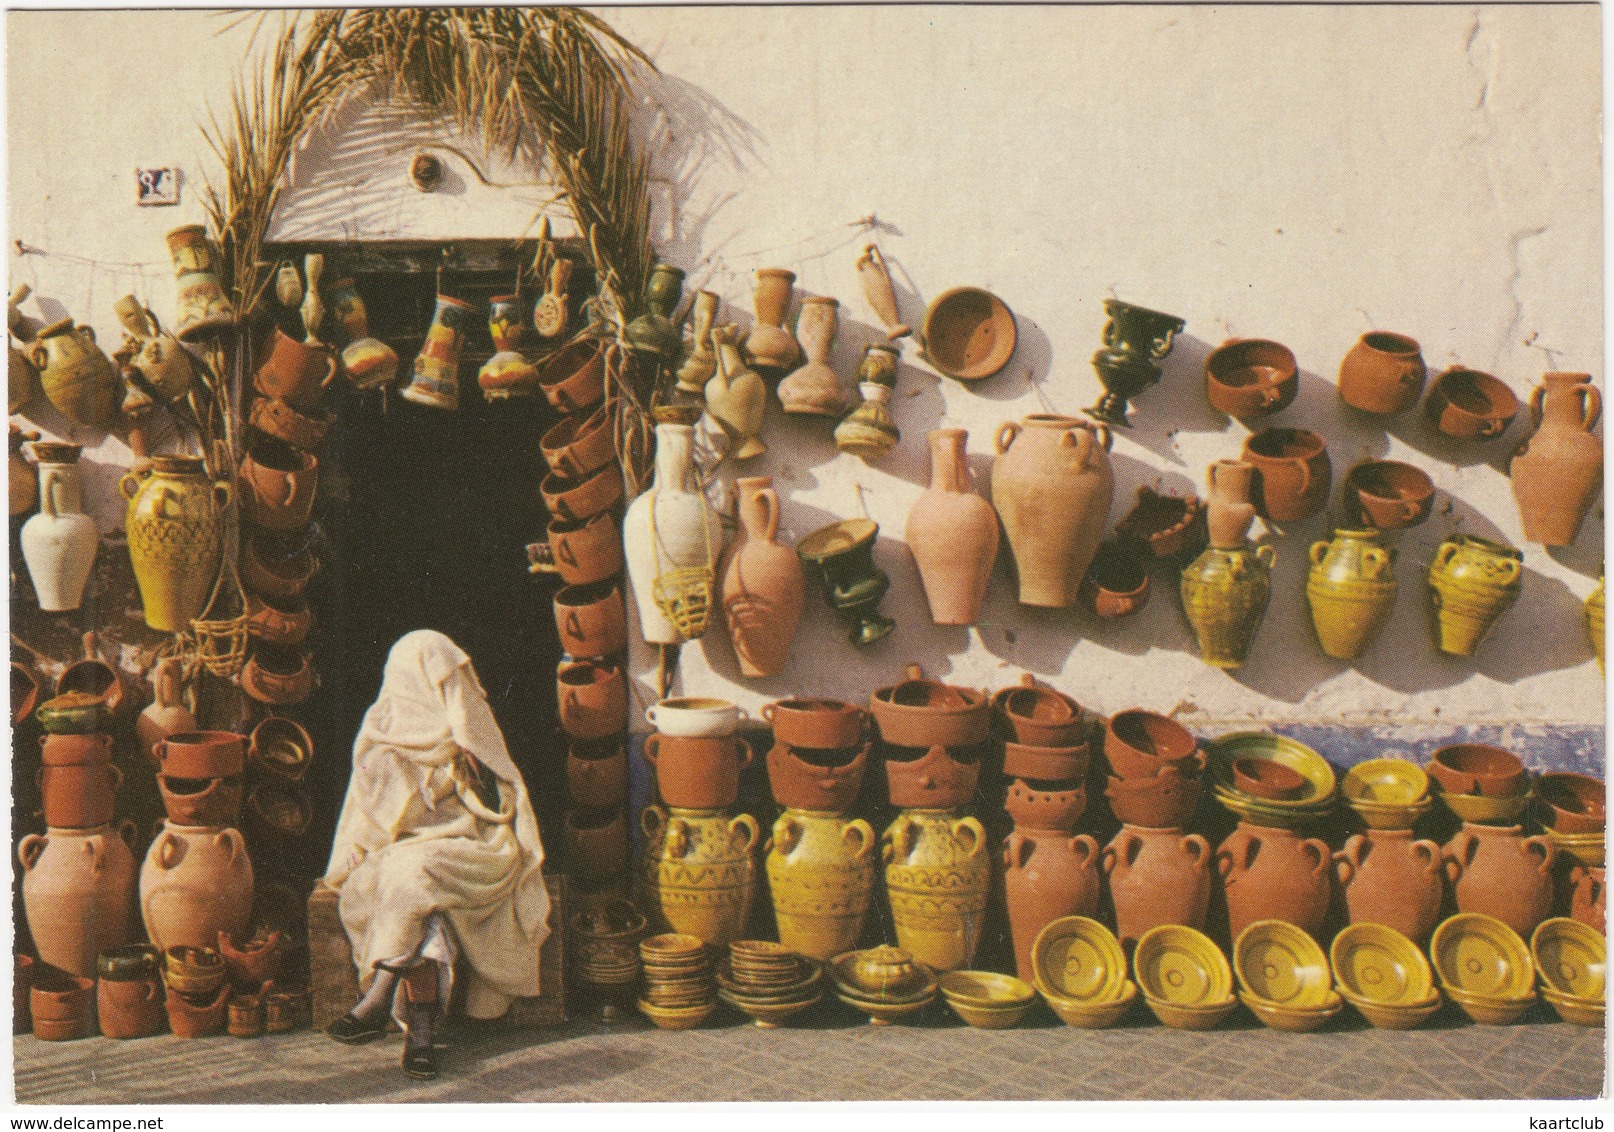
[
  {"x": 699, "y": 871},
  {"x": 953, "y": 534},
  {"x": 1558, "y": 472},
  {"x": 1047, "y": 874},
  {"x": 821, "y": 872},
  {"x": 1052, "y": 486},
  {"x": 196, "y": 882},
  {"x": 175, "y": 523},
  {"x": 763, "y": 585},
  {"x": 59, "y": 542},
  {"x": 1498, "y": 871},
  {"x": 1275, "y": 874},
  {"x": 1156, "y": 876},
  {"x": 936, "y": 876},
  {"x": 1388, "y": 877},
  {"x": 78, "y": 892},
  {"x": 672, "y": 541}
]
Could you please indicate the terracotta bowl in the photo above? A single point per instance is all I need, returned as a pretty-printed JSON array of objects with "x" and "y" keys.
[
  {"x": 1479, "y": 768},
  {"x": 201, "y": 754},
  {"x": 927, "y": 713},
  {"x": 1164, "y": 802},
  {"x": 1267, "y": 778},
  {"x": 1163, "y": 525},
  {"x": 816, "y": 724},
  {"x": 1478, "y": 955},
  {"x": 276, "y": 808},
  {"x": 579, "y": 500},
  {"x": 969, "y": 333},
  {"x": 1251, "y": 377},
  {"x": 600, "y": 781},
  {"x": 1033, "y": 807},
  {"x": 1039, "y": 717},
  {"x": 1572, "y": 803},
  {"x": 803, "y": 779},
  {"x": 1117, "y": 582},
  {"x": 1385, "y": 782},
  {"x": 1046, "y": 764},
  {"x": 281, "y": 747},
  {"x": 1138, "y": 743},
  {"x": 1572, "y": 958},
  {"x": 1388, "y": 494},
  {"x": 574, "y": 379},
  {"x": 1279, "y": 964},
  {"x": 1466, "y": 404}
]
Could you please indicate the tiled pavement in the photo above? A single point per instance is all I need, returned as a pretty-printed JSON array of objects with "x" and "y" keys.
[{"x": 940, "y": 1059}]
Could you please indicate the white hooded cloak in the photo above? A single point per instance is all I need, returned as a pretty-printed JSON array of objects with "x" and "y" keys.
[{"x": 414, "y": 841}]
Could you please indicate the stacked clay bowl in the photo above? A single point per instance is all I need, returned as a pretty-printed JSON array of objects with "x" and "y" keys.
[
  {"x": 198, "y": 990},
  {"x": 1284, "y": 977},
  {"x": 1045, "y": 755},
  {"x": 678, "y": 989},
  {"x": 77, "y": 781},
  {"x": 1185, "y": 977},
  {"x": 1156, "y": 768},
  {"x": 768, "y": 981},
  {"x": 1387, "y": 793},
  {"x": 606, "y": 945},
  {"x": 883, "y": 982},
  {"x": 1384, "y": 976},
  {"x": 1572, "y": 811},
  {"x": 1080, "y": 971},
  {"x": 1480, "y": 783},
  {"x": 986, "y": 999},
  {"x": 1270, "y": 780},
  {"x": 1484, "y": 967},
  {"x": 1572, "y": 961},
  {"x": 924, "y": 725}
]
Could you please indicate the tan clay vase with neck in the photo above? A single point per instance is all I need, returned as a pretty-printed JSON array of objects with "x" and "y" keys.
[
  {"x": 771, "y": 348},
  {"x": 167, "y": 714},
  {"x": 763, "y": 585},
  {"x": 1052, "y": 486},
  {"x": 815, "y": 389},
  {"x": 1387, "y": 877},
  {"x": 1047, "y": 874},
  {"x": 736, "y": 397},
  {"x": 1498, "y": 871},
  {"x": 821, "y": 872},
  {"x": 59, "y": 541},
  {"x": 1557, "y": 473},
  {"x": 1156, "y": 876},
  {"x": 1231, "y": 509},
  {"x": 1275, "y": 874},
  {"x": 953, "y": 534},
  {"x": 701, "y": 363},
  {"x": 78, "y": 892}
]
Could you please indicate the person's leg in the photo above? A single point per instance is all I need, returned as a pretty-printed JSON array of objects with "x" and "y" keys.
[
  {"x": 368, "y": 1018},
  {"x": 421, "y": 1010}
]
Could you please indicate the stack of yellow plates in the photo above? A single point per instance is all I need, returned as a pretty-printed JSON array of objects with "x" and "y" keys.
[
  {"x": 1572, "y": 960},
  {"x": 1387, "y": 793},
  {"x": 1185, "y": 977},
  {"x": 1484, "y": 967},
  {"x": 1384, "y": 976},
  {"x": 1584, "y": 848},
  {"x": 1284, "y": 976},
  {"x": 1314, "y": 802},
  {"x": 1078, "y": 966}
]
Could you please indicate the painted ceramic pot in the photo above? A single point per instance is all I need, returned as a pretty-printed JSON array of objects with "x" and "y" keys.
[
  {"x": 1294, "y": 475},
  {"x": 1499, "y": 872},
  {"x": 196, "y": 882},
  {"x": 1046, "y": 876},
  {"x": 78, "y": 379},
  {"x": 815, "y": 389},
  {"x": 1224, "y": 596},
  {"x": 1382, "y": 374},
  {"x": 59, "y": 542},
  {"x": 1351, "y": 589},
  {"x": 370, "y": 363},
  {"x": 763, "y": 586},
  {"x": 937, "y": 872},
  {"x": 869, "y": 431},
  {"x": 1275, "y": 874},
  {"x": 821, "y": 871},
  {"x": 1135, "y": 340},
  {"x": 585, "y": 550},
  {"x": 591, "y": 619},
  {"x": 1472, "y": 583},
  {"x": 1052, "y": 486},
  {"x": 1557, "y": 473},
  {"x": 674, "y": 542},
  {"x": 175, "y": 524},
  {"x": 772, "y": 349},
  {"x": 436, "y": 380},
  {"x": 508, "y": 373},
  {"x": 203, "y": 306},
  {"x": 700, "y": 872},
  {"x": 1388, "y": 877},
  {"x": 953, "y": 534},
  {"x": 78, "y": 892},
  {"x": 1156, "y": 876}
]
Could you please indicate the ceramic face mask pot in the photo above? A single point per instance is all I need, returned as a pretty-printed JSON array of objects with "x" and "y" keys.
[
  {"x": 1052, "y": 486},
  {"x": 953, "y": 534},
  {"x": 175, "y": 524},
  {"x": 1557, "y": 474},
  {"x": 821, "y": 872}
]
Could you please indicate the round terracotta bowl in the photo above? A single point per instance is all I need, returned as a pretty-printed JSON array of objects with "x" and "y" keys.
[
  {"x": 1385, "y": 782},
  {"x": 1380, "y": 965},
  {"x": 1388, "y": 494},
  {"x": 278, "y": 620},
  {"x": 803, "y": 779},
  {"x": 1117, "y": 583},
  {"x": 969, "y": 333},
  {"x": 582, "y": 499},
  {"x": 697, "y": 773},
  {"x": 576, "y": 446},
  {"x": 1046, "y": 764},
  {"x": 1163, "y": 802},
  {"x": 1267, "y": 778},
  {"x": 201, "y": 754},
  {"x": 1035, "y": 808},
  {"x": 585, "y": 550},
  {"x": 1572, "y": 803},
  {"x": 933, "y": 779},
  {"x": 277, "y": 566},
  {"x": 1479, "y": 768},
  {"x": 1572, "y": 958},
  {"x": 76, "y": 750},
  {"x": 1040, "y": 717},
  {"x": 1479, "y": 955},
  {"x": 1251, "y": 377},
  {"x": 1583, "y": 848},
  {"x": 927, "y": 713},
  {"x": 1221, "y": 753},
  {"x": 279, "y": 675},
  {"x": 1088, "y": 1014},
  {"x": 1466, "y": 404},
  {"x": 816, "y": 724},
  {"x": 1139, "y": 743},
  {"x": 1078, "y": 959},
  {"x": 1183, "y": 967},
  {"x": 1279, "y": 964}
]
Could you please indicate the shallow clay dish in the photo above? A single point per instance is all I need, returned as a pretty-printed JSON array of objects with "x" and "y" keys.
[
  {"x": 682, "y": 1018},
  {"x": 1223, "y": 752},
  {"x": 1395, "y": 1016},
  {"x": 1489, "y": 1011},
  {"x": 1376, "y": 816},
  {"x": 1479, "y": 955},
  {"x": 1380, "y": 965},
  {"x": 1268, "y": 779},
  {"x": 883, "y": 1012},
  {"x": 1572, "y": 803},
  {"x": 1076, "y": 958},
  {"x": 1182, "y": 967},
  {"x": 1385, "y": 782},
  {"x": 1584, "y": 848},
  {"x": 990, "y": 1017},
  {"x": 1093, "y": 1014},
  {"x": 969, "y": 333},
  {"x": 1280, "y": 964},
  {"x": 1257, "y": 812},
  {"x": 1298, "y": 1020},
  {"x": 986, "y": 988},
  {"x": 1483, "y": 810},
  {"x": 1572, "y": 958}
]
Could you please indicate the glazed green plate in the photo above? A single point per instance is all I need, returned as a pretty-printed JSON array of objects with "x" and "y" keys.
[{"x": 1221, "y": 753}]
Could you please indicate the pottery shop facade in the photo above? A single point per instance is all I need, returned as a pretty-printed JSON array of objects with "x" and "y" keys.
[{"x": 1335, "y": 193}]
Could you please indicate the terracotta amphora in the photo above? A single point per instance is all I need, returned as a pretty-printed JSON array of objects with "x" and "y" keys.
[
  {"x": 700, "y": 872},
  {"x": 814, "y": 389},
  {"x": 937, "y": 871},
  {"x": 1589, "y": 901},
  {"x": 1387, "y": 877},
  {"x": 1046, "y": 875},
  {"x": 671, "y": 537},
  {"x": 1498, "y": 871},
  {"x": 1351, "y": 590},
  {"x": 1383, "y": 373},
  {"x": 1558, "y": 472},
  {"x": 1230, "y": 511},
  {"x": 763, "y": 584},
  {"x": 1275, "y": 874},
  {"x": 175, "y": 522},
  {"x": 59, "y": 542},
  {"x": 771, "y": 348},
  {"x": 1224, "y": 596},
  {"x": 736, "y": 397},
  {"x": 77, "y": 377},
  {"x": 821, "y": 871},
  {"x": 1156, "y": 876},
  {"x": 1052, "y": 486},
  {"x": 1472, "y": 582},
  {"x": 196, "y": 882},
  {"x": 953, "y": 534},
  {"x": 78, "y": 892}
]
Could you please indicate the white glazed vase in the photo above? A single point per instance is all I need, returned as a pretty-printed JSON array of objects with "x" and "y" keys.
[
  {"x": 59, "y": 542},
  {"x": 687, "y": 532}
]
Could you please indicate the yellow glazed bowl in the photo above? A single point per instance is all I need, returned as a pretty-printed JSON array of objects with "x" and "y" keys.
[
  {"x": 1380, "y": 965},
  {"x": 682, "y": 1018},
  {"x": 1259, "y": 813},
  {"x": 884, "y": 1013},
  {"x": 1578, "y": 1011},
  {"x": 1203, "y": 1017},
  {"x": 1179, "y": 966},
  {"x": 989, "y": 1017},
  {"x": 1571, "y": 957},
  {"x": 1298, "y": 1021},
  {"x": 1282, "y": 965},
  {"x": 845, "y": 973},
  {"x": 1492, "y": 1011},
  {"x": 986, "y": 989},
  {"x": 1478, "y": 955},
  {"x": 1078, "y": 959},
  {"x": 1094, "y": 1014},
  {"x": 1221, "y": 753},
  {"x": 1584, "y": 848},
  {"x": 1393, "y": 1016},
  {"x": 1379, "y": 816},
  {"x": 1388, "y": 782},
  {"x": 1482, "y": 809}
]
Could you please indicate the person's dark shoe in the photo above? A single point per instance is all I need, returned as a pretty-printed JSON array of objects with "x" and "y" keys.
[
  {"x": 419, "y": 1061},
  {"x": 352, "y": 1030}
]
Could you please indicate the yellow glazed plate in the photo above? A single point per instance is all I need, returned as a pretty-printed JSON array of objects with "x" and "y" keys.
[
  {"x": 1380, "y": 965},
  {"x": 1222, "y": 752},
  {"x": 1478, "y": 955},
  {"x": 986, "y": 989},
  {"x": 1572, "y": 958},
  {"x": 1203, "y": 1017},
  {"x": 1388, "y": 1016},
  {"x": 1248, "y": 809},
  {"x": 1481, "y": 809},
  {"x": 1078, "y": 958},
  {"x": 1179, "y": 966},
  {"x": 1282, "y": 965},
  {"x": 1388, "y": 782}
]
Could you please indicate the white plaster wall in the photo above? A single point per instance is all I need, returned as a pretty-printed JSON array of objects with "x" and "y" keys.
[{"x": 1303, "y": 174}]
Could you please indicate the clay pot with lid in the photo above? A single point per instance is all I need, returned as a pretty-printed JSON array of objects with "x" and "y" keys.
[
  {"x": 1499, "y": 872},
  {"x": 1275, "y": 874},
  {"x": 1052, "y": 486},
  {"x": 277, "y": 566},
  {"x": 593, "y": 699},
  {"x": 1046, "y": 875},
  {"x": 277, "y": 675},
  {"x": 577, "y": 446},
  {"x": 1382, "y": 374},
  {"x": 201, "y": 801},
  {"x": 1039, "y": 717},
  {"x": 806, "y": 779},
  {"x": 1156, "y": 876},
  {"x": 1388, "y": 494},
  {"x": 78, "y": 890},
  {"x": 167, "y": 714},
  {"x": 763, "y": 588},
  {"x": 953, "y": 534},
  {"x": 916, "y": 712},
  {"x": 295, "y": 371},
  {"x": 1466, "y": 404},
  {"x": 932, "y": 781},
  {"x": 697, "y": 773},
  {"x": 1251, "y": 377},
  {"x": 1294, "y": 475},
  {"x": 196, "y": 882},
  {"x": 814, "y": 723},
  {"x": 1388, "y": 877},
  {"x": 585, "y": 550},
  {"x": 1557, "y": 474},
  {"x": 1039, "y": 808}
]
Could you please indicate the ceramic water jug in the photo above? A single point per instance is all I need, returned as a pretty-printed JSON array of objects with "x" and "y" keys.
[
  {"x": 1498, "y": 871},
  {"x": 763, "y": 585},
  {"x": 1046, "y": 875},
  {"x": 1557, "y": 473},
  {"x": 78, "y": 891},
  {"x": 1472, "y": 582},
  {"x": 1224, "y": 596},
  {"x": 175, "y": 523},
  {"x": 821, "y": 872},
  {"x": 1052, "y": 486},
  {"x": 936, "y": 876},
  {"x": 59, "y": 542},
  {"x": 1351, "y": 591},
  {"x": 1275, "y": 874},
  {"x": 736, "y": 397},
  {"x": 953, "y": 534},
  {"x": 77, "y": 377},
  {"x": 1388, "y": 877},
  {"x": 1156, "y": 876},
  {"x": 700, "y": 872},
  {"x": 673, "y": 542},
  {"x": 196, "y": 882}
]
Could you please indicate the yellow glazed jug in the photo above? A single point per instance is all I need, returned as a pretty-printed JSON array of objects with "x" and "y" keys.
[
  {"x": 936, "y": 874},
  {"x": 175, "y": 524},
  {"x": 699, "y": 873},
  {"x": 821, "y": 872}
]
